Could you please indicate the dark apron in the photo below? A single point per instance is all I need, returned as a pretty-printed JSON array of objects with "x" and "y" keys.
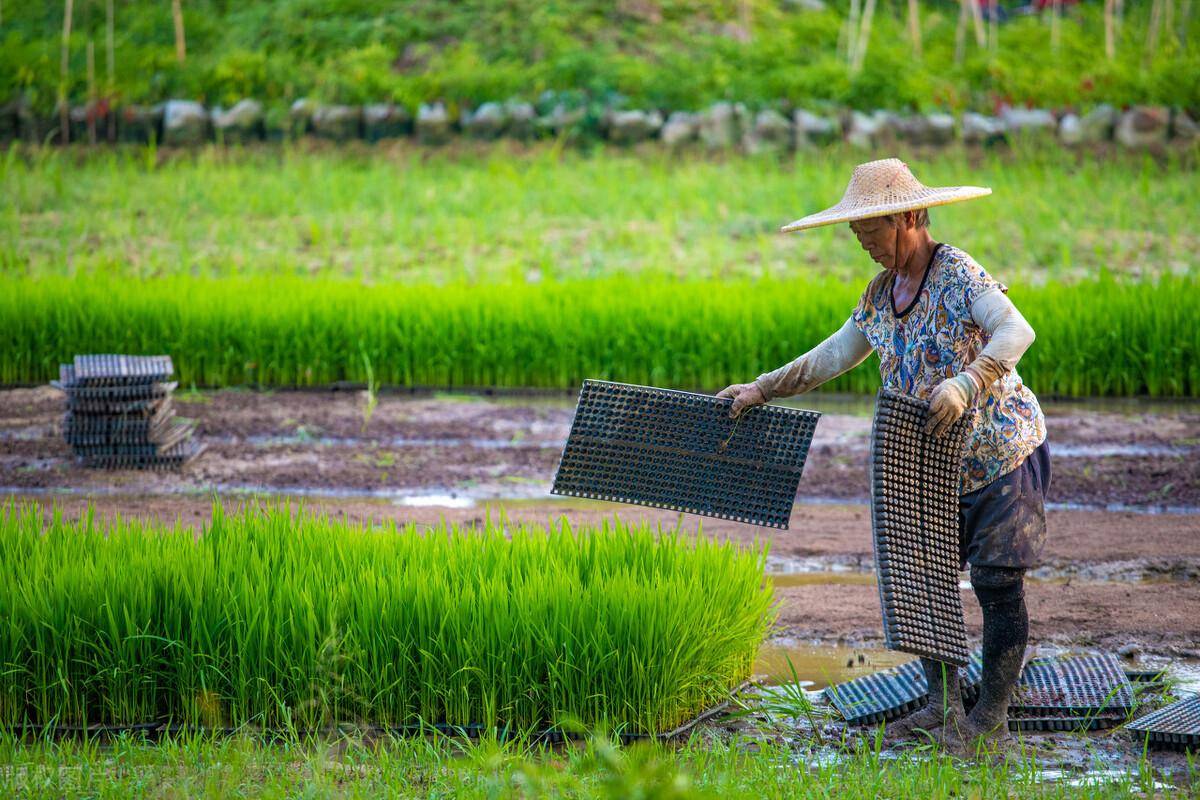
[{"x": 1003, "y": 524}]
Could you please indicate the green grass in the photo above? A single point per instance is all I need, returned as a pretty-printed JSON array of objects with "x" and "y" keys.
[
  {"x": 508, "y": 214},
  {"x": 1095, "y": 337},
  {"x": 296, "y": 621},
  {"x": 538, "y": 268},
  {"x": 737, "y": 770}
]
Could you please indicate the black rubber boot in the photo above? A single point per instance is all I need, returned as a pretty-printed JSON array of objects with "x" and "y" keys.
[
  {"x": 944, "y": 709},
  {"x": 1005, "y": 633}
]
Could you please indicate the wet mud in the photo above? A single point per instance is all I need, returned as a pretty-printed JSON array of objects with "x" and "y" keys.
[{"x": 1109, "y": 577}]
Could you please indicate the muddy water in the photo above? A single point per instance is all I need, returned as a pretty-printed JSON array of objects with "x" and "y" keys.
[{"x": 818, "y": 666}]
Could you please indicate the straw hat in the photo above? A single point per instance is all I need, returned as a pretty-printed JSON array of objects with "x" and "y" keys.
[{"x": 883, "y": 187}]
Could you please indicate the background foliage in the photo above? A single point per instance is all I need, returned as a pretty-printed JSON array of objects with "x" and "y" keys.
[{"x": 667, "y": 53}]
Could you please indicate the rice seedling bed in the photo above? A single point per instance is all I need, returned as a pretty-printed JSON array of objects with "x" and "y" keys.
[
  {"x": 280, "y": 619},
  {"x": 1102, "y": 336}
]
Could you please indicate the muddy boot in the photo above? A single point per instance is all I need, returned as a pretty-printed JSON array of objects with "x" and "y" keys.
[
  {"x": 944, "y": 706},
  {"x": 1005, "y": 633}
]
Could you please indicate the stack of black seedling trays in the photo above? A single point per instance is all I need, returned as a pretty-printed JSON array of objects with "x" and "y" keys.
[
  {"x": 914, "y": 519},
  {"x": 680, "y": 450},
  {"x": 120, "y": 414}
]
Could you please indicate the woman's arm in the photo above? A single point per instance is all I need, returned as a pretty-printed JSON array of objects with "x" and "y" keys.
[
  {"x": 1009, "y": 337},
  {"x": 841, "y": 352}
]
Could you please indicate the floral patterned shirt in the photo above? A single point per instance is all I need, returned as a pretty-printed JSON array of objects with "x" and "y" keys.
[{"x": 934, "y": 339}]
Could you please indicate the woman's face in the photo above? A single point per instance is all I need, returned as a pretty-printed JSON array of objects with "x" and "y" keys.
[{"x": 878, "y": 237}]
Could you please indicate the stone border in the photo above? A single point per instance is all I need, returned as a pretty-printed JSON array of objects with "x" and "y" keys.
[{"x": 722, "y": 126}]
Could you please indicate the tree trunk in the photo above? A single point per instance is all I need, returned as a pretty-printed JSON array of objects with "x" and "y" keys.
[
  {"x": 852, "y": 31},
  {"x": 180, "y": 43},
  {"x": 914, "y": 27},
  {"x": 64, "y": 115},
  {"x": 1152, "y": 29},
  {"x": 91, "y": 91},
  {"x": 110, "y": 89},
  {"x": 864, "y": 36},
  {"x": 977, "y": 18},
  {"x": 960, "y": 33},
  {"x": 994, "y": 29},
  {"x": 1110, "y": 39},
  {"x": 1055, "y": 21}
]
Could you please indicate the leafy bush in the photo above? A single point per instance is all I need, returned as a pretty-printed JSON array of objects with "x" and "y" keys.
[{"x": 672, "y": 53}]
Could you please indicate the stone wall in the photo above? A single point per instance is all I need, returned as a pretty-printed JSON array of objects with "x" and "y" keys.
[{"x": 723, "y": 126}]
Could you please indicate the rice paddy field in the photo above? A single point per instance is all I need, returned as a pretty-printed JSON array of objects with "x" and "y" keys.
[
  {"x": 536, "y": 269},
  {"x": 381, "y": 347}
]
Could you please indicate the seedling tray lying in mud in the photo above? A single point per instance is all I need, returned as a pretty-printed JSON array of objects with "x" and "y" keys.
[
  {"x": 1175, "y": 727},
  {"x": 1073, "y": 685},
  {"x": 158, "y": 730},
  {"x": 680, "y": 450},
  {"x": 914, "y": 521},
  {"x": 1066, "y": 724},
  {"x": 894, "y": 693}
]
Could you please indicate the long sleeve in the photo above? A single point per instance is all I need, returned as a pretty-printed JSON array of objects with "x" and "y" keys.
[
  {"x": 841, "y": 352},
  {"x": 1009, "y": 336}
]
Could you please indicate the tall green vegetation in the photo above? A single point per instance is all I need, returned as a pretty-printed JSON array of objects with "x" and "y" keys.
[
  {"x": 1095, "y": 337},
  {"x": 675, "y": 53},
  {"x": 292, "y": 620}
]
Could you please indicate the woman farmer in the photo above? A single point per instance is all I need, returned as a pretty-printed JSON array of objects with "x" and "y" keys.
[{"x": 946, "y": 332}]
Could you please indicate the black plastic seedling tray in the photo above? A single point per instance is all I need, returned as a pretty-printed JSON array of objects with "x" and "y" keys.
[
  {"x": 114, "y": 369},
  {"x": 914, "y": 521},
  {"x": 1173, "y": 727},
  {"x": 1073, "y": 685},
  {"x": 681, "y": 450},
  {"x": 893, "y": 693}
]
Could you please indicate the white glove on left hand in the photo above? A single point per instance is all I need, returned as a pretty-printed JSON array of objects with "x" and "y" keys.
[{"x": 950, "y": 401}]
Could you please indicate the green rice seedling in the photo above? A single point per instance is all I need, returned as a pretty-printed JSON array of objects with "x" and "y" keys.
[
  {"x": 1102, "y": 336},
  {"x": 281, "y": 618}
]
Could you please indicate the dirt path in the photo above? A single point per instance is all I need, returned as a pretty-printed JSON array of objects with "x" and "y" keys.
[{"x": 1110, "y": 577}]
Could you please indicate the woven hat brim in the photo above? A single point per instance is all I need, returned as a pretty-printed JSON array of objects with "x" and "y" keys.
[{"x": 939, "y": 196}]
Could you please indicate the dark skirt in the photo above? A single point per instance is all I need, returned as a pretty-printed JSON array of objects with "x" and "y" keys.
[{"x": 1003, "y": 524}]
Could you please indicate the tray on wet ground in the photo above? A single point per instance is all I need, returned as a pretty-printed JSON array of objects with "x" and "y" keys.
[
  {"x": 914, "y": 522},
  {"x": 681, "y": 450},
  {"x": 1176, "y": 726},
  {"x": 893, "y": 693},
  {"x": 1073, "y": 685}
]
